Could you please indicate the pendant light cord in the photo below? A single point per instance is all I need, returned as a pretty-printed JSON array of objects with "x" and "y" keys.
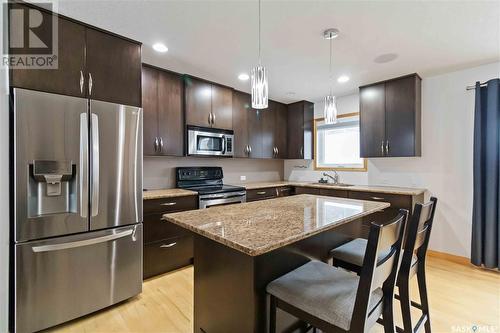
[
  {"x": 330, "y": 68},
  {"x": 259, "y": 36}
]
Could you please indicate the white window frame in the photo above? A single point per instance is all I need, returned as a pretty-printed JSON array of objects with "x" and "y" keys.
[{"x": 317, "y": 166}]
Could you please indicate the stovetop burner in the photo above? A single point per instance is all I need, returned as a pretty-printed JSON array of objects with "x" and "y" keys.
[{"x": 204, "y": 180}]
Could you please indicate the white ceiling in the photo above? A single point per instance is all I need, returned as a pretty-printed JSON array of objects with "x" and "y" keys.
[{"x": 217, "y": 40}]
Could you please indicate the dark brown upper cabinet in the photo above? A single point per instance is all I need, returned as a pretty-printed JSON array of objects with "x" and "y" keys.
[
  {"x": 259, "y": 133},
  {"x": 300, "y": 130},
  {"x": 247, "y": 127},
  {"x": 162, "y": 94},
  {"x": 66, "y": 78},
  {"x": 91, "y": 63},
  {"x": 208, "y": 104},
  {"x": 390, "y": 118},
  {"x": 241, "y": 107},
  {"x": 281, "y": 130},
  {"x": 114, "y": 68},
  {"x": 268, "y": 125},
  {"x": 274, "y": 130}
]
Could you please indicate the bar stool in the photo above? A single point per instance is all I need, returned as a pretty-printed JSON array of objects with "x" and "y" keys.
[
  {"x": 333, "y": 300},
  {"x": 350, "y": 256}
]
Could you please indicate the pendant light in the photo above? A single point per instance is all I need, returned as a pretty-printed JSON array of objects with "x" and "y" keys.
[
  {"x": 330, "y": 112},
  {"x": 259, "y": 81}
]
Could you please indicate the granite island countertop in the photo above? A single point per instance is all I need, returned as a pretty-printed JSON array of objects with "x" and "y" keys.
[{"x": 255, "y": 228}]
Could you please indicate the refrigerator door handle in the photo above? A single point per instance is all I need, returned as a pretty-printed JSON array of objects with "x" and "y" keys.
[
  {"x": 84, "y": 164},
  {"x": 85, "y": 242},
  {"x": 95, "y": 165}
]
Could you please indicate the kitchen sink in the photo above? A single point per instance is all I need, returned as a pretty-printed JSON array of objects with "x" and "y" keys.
[{"x": 338, "y": 184}]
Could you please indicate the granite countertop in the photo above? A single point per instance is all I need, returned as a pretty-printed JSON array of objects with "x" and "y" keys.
[
  {"x": 255, "y": 228},
  {"x": 361, "y": 188},
  {"x": 166, "y": 193}
]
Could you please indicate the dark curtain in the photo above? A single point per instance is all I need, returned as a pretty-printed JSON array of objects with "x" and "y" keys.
[{"x": 486, "y": 208}]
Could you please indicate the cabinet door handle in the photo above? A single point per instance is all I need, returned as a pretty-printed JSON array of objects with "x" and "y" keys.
[
  {"x": 261, "y": 192},
  {"x": 213, "y": 119},
  {"x": 168, "y": 204},
  {"x": 168, "y": 245},
  {"x": 382, "y": 147},
  {"x": 277, "y": 151},
  {"x": 301, "y": 151},
  {"x": 249, "y": 149},
  {"x": 377, "y": 198},
  {"x": 210, "y": 118},
  {"x": 82, "y": 81},
  {"x": 156, "y": 144},
  {"x": 161, "y": 144},
  {"x": 90, "y": 84},
  {"x": 387, "y": 147}
]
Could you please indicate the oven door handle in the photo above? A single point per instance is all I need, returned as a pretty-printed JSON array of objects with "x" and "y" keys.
[{"x": 238, "y": 195}]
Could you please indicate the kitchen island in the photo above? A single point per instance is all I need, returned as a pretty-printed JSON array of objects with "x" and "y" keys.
[{"x": 239, "y": 249}]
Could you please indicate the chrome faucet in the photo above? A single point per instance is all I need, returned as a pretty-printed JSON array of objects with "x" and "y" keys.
[{"x": 335, "y": 178}]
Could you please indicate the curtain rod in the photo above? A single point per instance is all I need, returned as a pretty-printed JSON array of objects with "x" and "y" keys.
[{"x": 481, "y": 84}]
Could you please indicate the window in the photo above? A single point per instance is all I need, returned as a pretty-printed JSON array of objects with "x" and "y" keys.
[{"x": 337, "y": 145}]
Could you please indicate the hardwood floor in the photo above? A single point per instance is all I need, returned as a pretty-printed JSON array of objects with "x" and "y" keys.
[{"x": 461, "y": 296}]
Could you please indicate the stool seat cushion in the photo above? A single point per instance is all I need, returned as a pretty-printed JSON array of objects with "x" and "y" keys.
[
  {"x": 353, "y": 252},
  {"x": 323, "y": 291}
]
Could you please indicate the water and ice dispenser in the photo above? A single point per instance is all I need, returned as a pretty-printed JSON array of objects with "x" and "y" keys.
[{"x": 52, "y": 188}]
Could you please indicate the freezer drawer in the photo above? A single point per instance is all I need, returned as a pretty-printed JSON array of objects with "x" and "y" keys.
[{"x": 61, "y": 279}]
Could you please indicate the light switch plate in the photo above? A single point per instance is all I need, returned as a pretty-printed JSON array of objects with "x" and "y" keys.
[{"x": 243, "y": 178}]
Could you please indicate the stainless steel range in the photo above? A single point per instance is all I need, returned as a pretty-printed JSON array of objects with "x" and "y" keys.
[{"x": 207, "y": 181}]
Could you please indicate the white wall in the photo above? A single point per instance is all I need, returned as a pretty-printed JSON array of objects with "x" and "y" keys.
[
  {"x": 159, "y": 172},
  {"x": 4, "y": 187},
  {"x": 445, "y": 168}
]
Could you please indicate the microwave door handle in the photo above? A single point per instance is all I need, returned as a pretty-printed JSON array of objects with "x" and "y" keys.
[
  {"x": 95, "y": 165},
  {"x": 224, "y": 144}
]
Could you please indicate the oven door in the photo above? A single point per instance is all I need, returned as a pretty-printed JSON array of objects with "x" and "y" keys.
[
  {"x": 205, "y": 142},
  {"x": 222, "y": 199}
]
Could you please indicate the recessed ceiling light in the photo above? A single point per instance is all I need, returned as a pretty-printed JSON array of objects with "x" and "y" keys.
[
  {"x": 343, "y": 79},
  {"x": 160, "y": 47},
  {"x": 243, "y": 76},
  {"x": 387, "y": 57},
  {"x": 290, "y": 93}
]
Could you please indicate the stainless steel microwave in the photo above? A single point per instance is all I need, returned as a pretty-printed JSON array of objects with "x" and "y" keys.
[{"x": 210, "y": 141}]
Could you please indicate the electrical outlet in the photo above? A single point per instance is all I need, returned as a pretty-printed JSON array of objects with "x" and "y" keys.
[{"x": 242, "y": 178}]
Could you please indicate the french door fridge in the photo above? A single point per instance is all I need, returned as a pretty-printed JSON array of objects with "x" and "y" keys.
[{"x": 77, "y": 232}]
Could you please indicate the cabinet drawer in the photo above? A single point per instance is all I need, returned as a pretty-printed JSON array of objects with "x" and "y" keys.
[
  {"x": 285, "y": 191},
  {"x": 261, "y": 194},
  {"x": 170, "y": 205},
  {"x": 334, "y": 193},
  {"x": 156, "y": 229},
  {"x": 306, "y": 190},
  {"x": 166, "y": 255},
  {"x": 396, "y": 200}
]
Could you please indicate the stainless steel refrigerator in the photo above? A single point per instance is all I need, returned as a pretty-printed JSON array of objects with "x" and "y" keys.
[{"x": 77, "y": 233}]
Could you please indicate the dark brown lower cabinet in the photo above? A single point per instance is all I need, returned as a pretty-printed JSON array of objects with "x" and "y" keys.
[
  {"x": 166, "y": 255},
  {"x": 334, "y": 193},
  {"x": 285, "y": 191},
  {"x": 166, "y": 245},
  {"x": 261, "y": 194},
  {"x": 307, "y": 190}
]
